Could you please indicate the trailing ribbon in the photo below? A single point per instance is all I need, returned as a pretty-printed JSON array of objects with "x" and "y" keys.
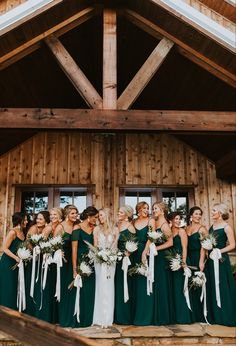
[
  {"x": 187, "y": 274},
  {"x": 21, "y": 301},
  {"x": 215, "y": 255},
  {"x": 47, "y": 260},
  {"x": 150, "y": 273},
  {"x": 203, "y": 296},
  {"x": 36, "y": 253},
  {"x": 78, "y": 284},
  {"x": 57, "y": 258},
  {"x": 125, "y": 264}
]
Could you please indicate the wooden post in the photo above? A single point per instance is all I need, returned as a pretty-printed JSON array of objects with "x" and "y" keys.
[
  {"x": 109, "y": 59},
  {"x": 145, "y": 74},
  {"x": 74, "y": 73}
]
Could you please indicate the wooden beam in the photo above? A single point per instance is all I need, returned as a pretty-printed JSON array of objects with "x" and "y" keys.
[
  {"x": 109, "y": 59},
  {"x": 183, "y": 48},
  {"x": 36, "y": 42},
  {"x": 31, "y": 331},
  {"x": 74, "y": 73},
  {"x": 145, "y": 74},
  {"x": 115, "y": 120}
]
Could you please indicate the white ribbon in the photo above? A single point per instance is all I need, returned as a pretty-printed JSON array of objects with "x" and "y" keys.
[
  {"x": 187, "y": 274},
  {"x": 21, "y": 302},
  {"x": 215, "y": 255},
  {"x": 203, "y": 296},
  {"x": 57, "y": 258},
  {"x": 47, "y": 260},
  {"x": 125, "y": 264},
  {"x": 78, "y": 284},
  {"x": 150, "y": 273},
  {"x": 36, "y": 253}
]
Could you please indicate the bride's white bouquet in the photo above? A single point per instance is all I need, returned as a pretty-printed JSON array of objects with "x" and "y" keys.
[{"x": 107, "y": 255}]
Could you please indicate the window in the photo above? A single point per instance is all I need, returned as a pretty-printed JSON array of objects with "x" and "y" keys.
[
  {"x": 177, "y": 198},
  {"x": 32, "y": 198}
]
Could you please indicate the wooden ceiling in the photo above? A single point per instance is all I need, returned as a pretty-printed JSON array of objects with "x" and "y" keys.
[{"x": 183, "y": 82}]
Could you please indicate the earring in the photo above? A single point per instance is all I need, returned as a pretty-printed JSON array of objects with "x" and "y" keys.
[{"x": 191, "y": 219}]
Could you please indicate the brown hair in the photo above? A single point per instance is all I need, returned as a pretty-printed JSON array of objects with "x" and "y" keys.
[
  {"x": 140, "y": 205},
  {"x": 162, "y": 206}
]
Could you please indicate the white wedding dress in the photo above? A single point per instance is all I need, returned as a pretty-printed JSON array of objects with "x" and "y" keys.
[{"x": 104, "y": 292}]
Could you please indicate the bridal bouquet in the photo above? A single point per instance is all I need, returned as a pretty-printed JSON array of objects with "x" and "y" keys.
[
  {"x": 138, "y": 269},
  {"x": 108, "y": 256},
  {"x": 176, "y": 261},
  {"x": 131, "y": 244},
  {"x": 209, "y": 242}
]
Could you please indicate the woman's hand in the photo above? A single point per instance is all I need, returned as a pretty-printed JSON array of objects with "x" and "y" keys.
[
  {"x": 74, "y": 273},
  {"x": 17, "y": 259},
  {"x": 144, "y": 257}
]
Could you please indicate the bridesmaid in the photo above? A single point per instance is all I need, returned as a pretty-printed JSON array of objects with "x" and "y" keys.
[
  {"x": 196, "y": 231},
  {"x": 67, "y": 302},
  {"x": 39, "y": 223},
  {"x": 9, "y": 277},
  {"x": 180, "y": 244},
  {"x": 225, "y": 240},
  {"x": 84, "y": 231},
  {"x": 143, "y": 303},
  {"x": 123, "y": 311},
  {"x": 162, "y": 290}
]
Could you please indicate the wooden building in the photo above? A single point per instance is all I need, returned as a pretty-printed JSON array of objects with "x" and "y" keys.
[{"x": 111, "y": 102}]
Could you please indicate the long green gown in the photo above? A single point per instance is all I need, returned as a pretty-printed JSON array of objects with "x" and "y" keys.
[
  {"x": 67, "y": 303},
  {"x": 162, "y": 290},
  {"x": 9, "y": 277},
  {"x": 123, "y": 311},
  {"x": 226, "y": 315},
  {"x": 194, "y": 248},
  {"x": 182, "y": 312},
  {"x": 142, "y": 303},
  {"x": 87, "y": 292}
]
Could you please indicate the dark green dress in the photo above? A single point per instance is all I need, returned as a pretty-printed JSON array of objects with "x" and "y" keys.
[
  {"x": 9, "y": 277},
  {"x": 142, "y": 303},
  {"x": 162, "y": 290},
  {"x": 30, "y": 304},
  {"x": 123, "y": 311},
  {"x": 87, "y": 292},
  {"x": 67, "y": 303},
  {"x": 226, "y": 315},
  {"x": 182, "y": 312},
  {"x": 194, "y": 248}
]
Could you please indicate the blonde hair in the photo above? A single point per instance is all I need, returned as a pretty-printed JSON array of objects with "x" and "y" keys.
[
  {"x": 68, "y": 209},
  {"x": 59, "y": 212},
  {"x": 109, "y": 221},
  {"x": 222, "y": 209},
  {"x": 162, "y": 206},
  {"x": 140, "y": 205},
  {"x": 128, "y": 210}
]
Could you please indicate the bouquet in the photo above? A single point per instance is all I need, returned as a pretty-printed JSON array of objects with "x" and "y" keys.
[
  {"x": 35, "y": 239},
  {"x": 209, "y": 242},
  {"x": 57, "y": 243},
  {"x": 84, "y": 270},
  {"x": 156, "y": 237},
  {"x": 24, "y": 255},
  {"x": 198, "y": 280},
  {"x": 131, "y": 245},
  {"x": 108, "y": 256},
  {"x": 176, "y": 261},
  {"x": 138, "y": 269},
  {"x": 46, "y": 247}
]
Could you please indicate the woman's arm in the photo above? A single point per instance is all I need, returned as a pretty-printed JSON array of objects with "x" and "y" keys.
[
  {"x": 203, "y": 232},
  {"x": 184, "y": 244},
  {"x": 46, "y": 231},
  {"x": 167, "y": 231},
  {"x": 9, "y": 239},
  {"x": 231, "y": 240},
  {"x": 95, "y": 236},
  {"x": 58, "y": 230},
  {"x": 74, "y": 257}
]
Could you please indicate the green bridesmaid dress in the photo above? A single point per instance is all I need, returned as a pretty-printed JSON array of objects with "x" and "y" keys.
[
  {"x": 67, "y": 303},
  {"x": 182, "y": 312},
  {"x": 87, "y": 292},
  {"x": 162, "y": 290},
  {"x": 142, "y": 303},
  {"x": 194, "y": 248},
  {"x": 30, "y": 305},
  {"x": 226, "y": 315},
  {"x": 123, "y": 311},
  {"x": 9, "y": 277}
]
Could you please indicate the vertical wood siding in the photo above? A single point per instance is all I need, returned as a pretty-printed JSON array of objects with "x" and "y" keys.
[{"x": 107, "y": 161}]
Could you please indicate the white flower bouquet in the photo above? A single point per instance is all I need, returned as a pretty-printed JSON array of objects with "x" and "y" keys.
[
  {"x": 197, "y": 280},
  {"x": 57, "y": 243},
  {"x": 131, "y": 246},
  {"x": 156, "y": 237},
  {"x": 107, "y": 255},
  {"x": 209, "y": 242},
  {"x": 35, "y": 239},
  {"x": 24, "y": 255},
  {"x": 46, "y": 247},
  {"x": 176, "y": 262},
  {"x": 84, "y": 270},
  {"x": 138, "y": 269}
]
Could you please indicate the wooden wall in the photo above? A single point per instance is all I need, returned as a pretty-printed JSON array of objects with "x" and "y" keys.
[
  {"x": 108, "y": 160},
  {"x": 7, "y": 5}
]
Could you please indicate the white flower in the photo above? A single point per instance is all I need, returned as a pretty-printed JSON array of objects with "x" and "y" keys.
[
  {"x": 131, "y": 246},
  {"x": 56, "y": 240},
  {"x": 209, "y": 242},
  {"x": 35, "y": 238},
  {"x": 24, "y": 253},
  {"x": 142, "y": 270},
  {"x": 175, "y": 264},
  {"x": 45, "y": 245},
  {"x": 85, "y": 268},
  {"x": 199, "y": 279}
]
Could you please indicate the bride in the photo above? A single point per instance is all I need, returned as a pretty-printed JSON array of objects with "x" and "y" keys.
[{"x": 105, "y": 236}]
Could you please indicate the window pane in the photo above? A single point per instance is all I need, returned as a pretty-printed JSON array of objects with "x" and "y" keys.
[
  {"x": 80, "y": 202},
  {"x": 33, "y": 202},
  {"x": 41, "y": 201},
  {"x": 132, "y": 201},
  {"x": 27, "y": 202},
  {"x": 77, "y": 198},
  {"x": 177, "y": 201},
  {"x": 65, "y": 198}
]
